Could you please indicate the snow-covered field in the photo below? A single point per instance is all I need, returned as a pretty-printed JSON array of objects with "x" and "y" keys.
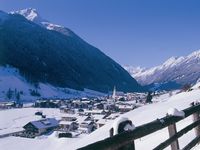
[{"x": 15, "y": 118}]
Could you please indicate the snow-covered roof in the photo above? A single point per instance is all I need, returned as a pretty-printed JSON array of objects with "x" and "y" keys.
[
  {"x": 98, "y": 117},
  {"x": 65, "y": 122},
  {"x": 45, "y": 123}
]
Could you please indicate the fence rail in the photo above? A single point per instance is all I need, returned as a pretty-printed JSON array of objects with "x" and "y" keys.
[{"x": 120, "y": 140}]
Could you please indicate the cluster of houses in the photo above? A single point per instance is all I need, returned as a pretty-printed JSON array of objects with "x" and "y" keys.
[
  {"x": 82, "y": 116},
  {"x": 11, "y": 104},
  {"x": 71, "y": 123}
]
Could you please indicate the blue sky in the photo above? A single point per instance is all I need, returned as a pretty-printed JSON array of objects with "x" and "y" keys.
[{"x": 133, "y": 32}]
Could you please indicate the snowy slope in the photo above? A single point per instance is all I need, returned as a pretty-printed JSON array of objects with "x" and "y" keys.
[
  {"x": 181, "y": 70},
  {"x": 10, "y": 78},
  {"x": 138, "y": 116}
]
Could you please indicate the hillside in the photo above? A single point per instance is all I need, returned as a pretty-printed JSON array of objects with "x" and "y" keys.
[
  {"x": 47, "y": 56},
  {"x": 10, "y": 79}
]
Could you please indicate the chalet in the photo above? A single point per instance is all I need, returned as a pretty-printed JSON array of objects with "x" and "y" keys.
[
  {"x": 66, "y": 117},
  {"x": 125, "y": 108},
  {"x": 67, "y": 110},
  {"x": 101, "y": 122},
  {"x": 87, "y": 126},
  {"x": 68, "y": 126},
  {"x": 99, "y": 105},
  {"x": 95, "y": 112},
  {"x": 47, "y": 104},
  {"x": 41, "y": 126}
]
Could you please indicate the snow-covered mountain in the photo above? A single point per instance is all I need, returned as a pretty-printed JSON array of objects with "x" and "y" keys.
[
  {"x": 51, "y": 54},
  {"x": 180, "y": 70},
  {"x": 32, "y": 15}
]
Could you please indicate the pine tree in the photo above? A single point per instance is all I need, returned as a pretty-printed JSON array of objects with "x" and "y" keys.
[
  {"x": 9, "y": 94},
  {"x": 149, "y": 98},
  {"x": 18, "y": 97}
]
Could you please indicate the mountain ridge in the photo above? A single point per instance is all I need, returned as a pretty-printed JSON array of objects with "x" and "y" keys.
[{"x": 181, "y": 70}]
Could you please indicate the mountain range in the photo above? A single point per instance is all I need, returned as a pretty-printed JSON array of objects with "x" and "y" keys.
[
  {"x": 44, "y": 52},
  {"x": 173, "y": 73}
]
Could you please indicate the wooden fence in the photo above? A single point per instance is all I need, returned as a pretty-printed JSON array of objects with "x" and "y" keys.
[{"x": 120, "y": 141}]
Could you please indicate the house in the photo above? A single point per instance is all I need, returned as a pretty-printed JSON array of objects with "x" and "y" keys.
[
  {"x": 87, "y": 126},
  {"x": 47, "y": 104},
  {"x": 101, "y": 123},
  {"x": 67, "y": 117},
  {"x": 99, "y": 105},
  {"x": 125, "y": 108},
  {"x": 67, "y": 110},
  {"x": 68, "y": 126},
  {"x": 41, "y": 126}
]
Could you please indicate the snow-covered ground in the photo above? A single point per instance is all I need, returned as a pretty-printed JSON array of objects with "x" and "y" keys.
[
  {"x": 10, "y": 78},
  {"x": 13, "y": 120},
  {"x": 138, "y": 116}
]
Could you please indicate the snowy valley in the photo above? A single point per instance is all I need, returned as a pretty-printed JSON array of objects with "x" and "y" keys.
[
  {"x": 58, "y": 92},
  {"x": 139, "y": 116}
]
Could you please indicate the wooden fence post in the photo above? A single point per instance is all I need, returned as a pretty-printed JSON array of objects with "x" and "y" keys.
[
  {"x": 133, "y": 145},
  {"x": 172, "y": 130},
  {"x": 195, "y": 118}
]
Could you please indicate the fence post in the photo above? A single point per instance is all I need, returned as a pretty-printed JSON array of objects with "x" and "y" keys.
[
  {"x": 195, "y": 118},
  {"x": 133, "y": 145},
  {"x": 172, "y": 130},
  {"x": 130, "y": 146}
]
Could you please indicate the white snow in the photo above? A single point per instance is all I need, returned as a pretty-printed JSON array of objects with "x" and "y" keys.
[
  {"x": 29, "y": 13},
  {"x": 182, "y": 70},
  {"x": 129, "y": 127},
  {"x": 10, "y": 78},
  {"x": 32, "y": 15},
  {"x": 147, "y": 114},
  {"x": 197, "y": 85},
  {"x": 117, "y": 122},
  {"x": 138, "y": 116},
  {"x": 175, "y": 112}
]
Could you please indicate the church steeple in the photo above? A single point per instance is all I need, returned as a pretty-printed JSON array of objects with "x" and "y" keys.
[{"x": 114, "y": 93}]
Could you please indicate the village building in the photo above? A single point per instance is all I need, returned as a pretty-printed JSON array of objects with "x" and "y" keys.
[
  {"x": 68, "y": 126},
  {"x": 40, "y": 127},
  {"x": 125, "y": 108},
  {"x": 68, "y": 117},
  {"x": 87, "y": 127},
  {"x": 66, "y": 110}
]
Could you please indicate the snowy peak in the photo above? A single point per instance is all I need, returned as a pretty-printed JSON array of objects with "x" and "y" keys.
[
  {"x": 172, "y": 61},
  {"x": 181, "y": 70},
  {"x": 134, "y": 70},
  {"x": 195, "y": 54},
  {"x": 30, "y": 14}
]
